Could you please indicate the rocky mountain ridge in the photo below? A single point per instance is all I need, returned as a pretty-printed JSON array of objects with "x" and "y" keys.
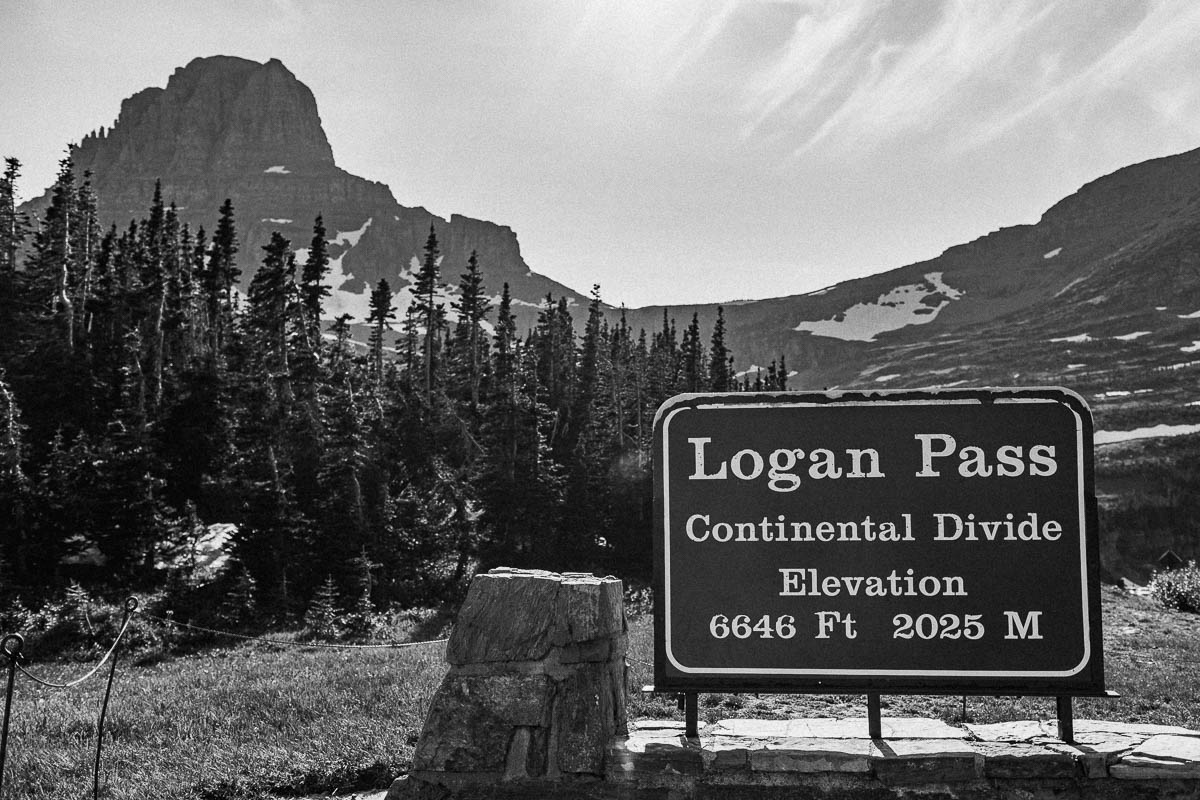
[
  {"x": 1116, "y": 262},
  {"x": 226, "y": 127},
  {"x": 1101, "y": 295},
  {"x": 1119, "y": 257}
]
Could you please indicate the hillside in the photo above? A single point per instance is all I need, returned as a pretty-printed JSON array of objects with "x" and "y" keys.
[
  {"x": 226, "y": 127},
  {"x": 1104, "y": 286},
  {"x": 1101, "y": 295}
]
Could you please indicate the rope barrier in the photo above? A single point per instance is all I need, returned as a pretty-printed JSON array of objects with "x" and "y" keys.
[
  {"x": 93, "y": 670},
  {"x": 11, "y": 646},
  {"x": 131, "y": 604},
  {"x": 286, "y": 643}
]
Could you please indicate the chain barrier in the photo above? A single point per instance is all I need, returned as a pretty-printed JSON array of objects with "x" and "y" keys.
[
  {"x": 109, "y": 654},
  {"x": 131, "y": 604},
  {"x": 285, "y": 642},
  {"x": 12, "y": 644}
]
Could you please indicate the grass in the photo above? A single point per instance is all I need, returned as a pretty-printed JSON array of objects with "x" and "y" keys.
[
  {"x": 257, "y": 721},
  {"x": 246, "y": 722},
  {"x": 1152, "y": 659}
]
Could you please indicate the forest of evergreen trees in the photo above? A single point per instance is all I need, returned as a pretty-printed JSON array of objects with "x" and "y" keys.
[{"x": 143, "y": 398}]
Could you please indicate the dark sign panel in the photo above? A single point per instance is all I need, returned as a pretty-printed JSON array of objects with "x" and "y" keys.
[{"x": 899, "y": 541}]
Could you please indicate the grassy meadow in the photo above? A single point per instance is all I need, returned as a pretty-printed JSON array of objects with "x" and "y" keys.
[{"x": 258, "y": 721}]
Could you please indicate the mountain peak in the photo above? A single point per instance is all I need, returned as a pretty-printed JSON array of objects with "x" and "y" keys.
[
  {"x": 228, "y": 127},
  {"x": 219, "y": 115}
]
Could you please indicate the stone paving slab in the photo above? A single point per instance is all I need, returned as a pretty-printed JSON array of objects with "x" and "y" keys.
[
  {"x": 830, "y": 728},
  {"x": 1164, "y": 756},
  {"x": 1014, "y": 760},
  {"x": 910, "y": 753},
  {"x": 814, "y": 755}
]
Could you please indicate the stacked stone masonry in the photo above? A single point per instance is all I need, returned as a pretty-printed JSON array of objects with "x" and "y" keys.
[
  {"x": 533, "y": 706},
  {"x": 536, "y": 689},
  {"x": 833, "y": 758}
]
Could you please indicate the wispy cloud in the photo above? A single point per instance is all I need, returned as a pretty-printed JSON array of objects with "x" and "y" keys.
[{"x": 857, "y": 74}]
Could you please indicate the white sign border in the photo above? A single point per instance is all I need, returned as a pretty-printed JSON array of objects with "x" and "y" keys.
[{"x": 667, "y": 413}]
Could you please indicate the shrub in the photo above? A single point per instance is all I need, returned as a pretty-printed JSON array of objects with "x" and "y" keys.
[
  {"x": 76, "y": 625},
  {"x": 1178, "y": 588},
  {"x": 321, "y": 619}
]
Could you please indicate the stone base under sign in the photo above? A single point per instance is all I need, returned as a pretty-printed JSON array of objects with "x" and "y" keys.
[
  {"x": 533, "y": 706},
  {"x": 828, "y": 758}
]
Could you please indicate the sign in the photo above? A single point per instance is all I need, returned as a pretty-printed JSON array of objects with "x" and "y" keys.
[{"x": 893, "y": 541}]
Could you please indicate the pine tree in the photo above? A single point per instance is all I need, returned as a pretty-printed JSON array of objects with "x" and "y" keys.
[
  {"x": 360, "y": 620},
  {"x": 15, "y": 487},
  {"x": 692, "y": 356},
  {"x": 470, "y": 343},
  {"x": 718, "y": 357},
  {"x": 321, "y": 618},
  {"x": 271, "y": 292},
  {"x": 430, "y": 315},
  {"x": 13, "y": 225},
  {"x": 380, "y": 317},
  {"x": 239, "y": 606},
  {"x": 220, "y": 277},
  {"x": 13, "y": 291},
  {"x": 312, "y": 287},
  {"x": 505, "y": 341}
]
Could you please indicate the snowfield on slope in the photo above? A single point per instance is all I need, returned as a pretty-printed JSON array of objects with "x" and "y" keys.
[
  {"x": 1151, "y": 432},
  {"x": 911, "y": 304}
]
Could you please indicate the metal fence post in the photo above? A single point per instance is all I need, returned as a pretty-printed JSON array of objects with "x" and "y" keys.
[{"x": 10, "y": 646}]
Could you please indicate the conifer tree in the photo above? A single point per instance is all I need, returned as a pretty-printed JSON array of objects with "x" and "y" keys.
[
  {"x": 320, "y": 620},
  {"x": 505, "y": 343},
  {"x": 430, "y": 314},
  {"x": 470, "y": 343},
  {"x": 312, "y": 287},
  {"x": 692, "y": 357},
  {"x": 239, "y": 605},
  {"x": 13, "y": 225},
  {"x": 360, "y": 620},
  {"x": 13, "y": 292},
  {"x": 15, "y": 487},
  {"x": 380, "y": 317},
  {"x": 271, "y": 293},
  {"x": 718, "y": 357},
  {"x": 220, "y": 277}
]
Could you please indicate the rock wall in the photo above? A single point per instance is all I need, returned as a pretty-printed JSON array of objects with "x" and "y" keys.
[
  {"x": 835, "y": 759},
  {"x": 535, "y": 692}
]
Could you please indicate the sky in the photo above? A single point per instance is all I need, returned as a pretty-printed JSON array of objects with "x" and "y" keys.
[{"x": 672, "y": 151}]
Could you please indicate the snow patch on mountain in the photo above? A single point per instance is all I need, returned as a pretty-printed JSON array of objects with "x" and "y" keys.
[
  {"x": 343, "y": 301},
  {"x": 1150, "y": 432},
  {"x": 351, "y": 238},
  {"x": 1129, "y": 337},
  {"x": 1193, "y": 315},
  {"x": 1078, "y": 338},
  {"x": 1064, "y": 289},
  {"x": 278, "y": 169},
  {"x": 753, "y": 369},
  {"x": 276, "y": 221},
  {"x": 911, "y": 304},
  {"x": 1052, "y": 253}
]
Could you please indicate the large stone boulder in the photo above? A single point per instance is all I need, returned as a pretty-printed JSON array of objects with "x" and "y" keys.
[{"x": 534, "y": 694}]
